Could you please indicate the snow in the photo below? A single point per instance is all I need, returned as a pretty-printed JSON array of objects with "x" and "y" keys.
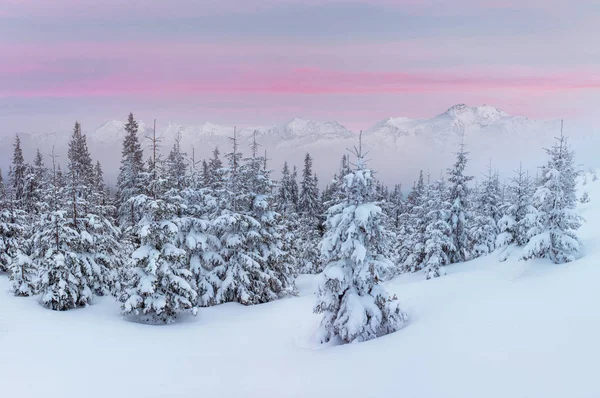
[{"x": 486, "y": 329}]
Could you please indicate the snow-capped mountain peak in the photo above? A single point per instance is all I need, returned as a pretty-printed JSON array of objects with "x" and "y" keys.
[{"x": 479, "y": 115}]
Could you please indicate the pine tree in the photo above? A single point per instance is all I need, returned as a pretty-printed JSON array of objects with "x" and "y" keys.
[
  {"x": 198, "y": 239},
  {"x": 412, "y": 243},
  {"x": 63, "y": 282},
  {"x": 397, "y": 206},
  {"x": 17, "y": 174},
  {"x": 354, "y": 305},
  {"x": 484, "y": 225},
  {"x": 102, "y": 203},
  {"x": 556, "y": 220},
  {"x": 13, "y": 227},
  {"x": 459, "y": 207},
  {"x": 160, "y": 285},
  {"x": 294, "y": 189},
  {"x": 518, "y": 213},
  {"x": 308, "y": 201},
  {"x": 77, "y": 250},
  {"x": 176, "y": 167},
  {"x": 437, "y": 236},
  {"x": 255, "y": 268},
  {"x": 40, "y": 181},
  {"x": 309, "y": 225},
  {"x": 129, "y": 182},
  {"x": 214, "y": 171},
  {"x": 81, "y": 174},
  {"x": 284, "y": 197}
]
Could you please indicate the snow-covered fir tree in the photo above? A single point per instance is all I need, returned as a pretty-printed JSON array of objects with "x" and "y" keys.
[
  {"x": 17, "y": 174},
  {"x": 160, "y": 285},
  {"x": 76, "y": 250},
  {"x": 460, "y": 207},
  {"x": 255, "y": 268},
  {"x": 197, "y": 237},
  {"x": 176, "y": 166},
  {"x": 13, "y": 228},
  {"x": 285, "y": 200},
  {"x": 553, "y": 235},
  {"x": 129, "y": 182},
  {"x": 437, "y": 236},
  {"x": 518, "y": 212},
  {"x": 486, "y": 215},
  {"x": 213, "y": 172},
  {"x": 62, "y": 284},
  {"x": 354, "y": 305},
  {"x": 411, "y": 240},
  {"x": 39, "y": 182},
  {"x": 310, "y": 222}
]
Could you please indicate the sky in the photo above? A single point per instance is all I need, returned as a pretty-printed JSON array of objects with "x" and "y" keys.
[{"x": 262, "y": 62}]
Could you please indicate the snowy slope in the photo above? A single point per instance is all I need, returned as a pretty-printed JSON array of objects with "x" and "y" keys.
[
  {"x": 399, "y": 147},
  {"x": 487, "y": 329}
]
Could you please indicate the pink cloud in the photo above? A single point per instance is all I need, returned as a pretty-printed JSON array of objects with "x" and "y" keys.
[{"x": 299, "y": 81}]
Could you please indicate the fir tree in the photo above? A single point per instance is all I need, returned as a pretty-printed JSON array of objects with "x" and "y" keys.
[
  {"x": 284, "y": 197},
  {"x": 484, "y": 229},
  {"x": 437, "y": 235},
  {"x": 17, "y": 173},
  {"x": 556, "y": 220},
  {"x": 129, "y": 183},
  {"x": 214, "y": 171},
  {"x": 309, "y": 225},
  {"x": 459, "y": 207},
  {"x": 255, "y": 268},
  {"x": 412, "y": 244},
  {"x": 518, "y": 213},
  {"x": 160, "y": 285},
  {"x": 176, "y": 167},
  {"x": 308, "y": 201},
  {"x": 354, "y": 305}
]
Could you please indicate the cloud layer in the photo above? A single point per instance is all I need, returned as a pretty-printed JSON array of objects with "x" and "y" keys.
[{"x": 264, "y": 61}]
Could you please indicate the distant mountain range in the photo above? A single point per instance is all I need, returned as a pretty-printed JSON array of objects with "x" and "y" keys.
[{"x": 398, "y": 146}]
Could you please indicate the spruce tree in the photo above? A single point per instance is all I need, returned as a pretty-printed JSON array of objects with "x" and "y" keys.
[
  {"x": 13, "y": 228},
  {"x": 255, "y": 267},
  {"x": 63, "y": 275},
  {"x": 460, "y": 207},
  {"x": 354, "y": 305},
  {"x": 411, "y": 242},
  {"x": 17, "y": 174},
  {"x": 160, "y": 284},
  {"x": 519, "y": 211},
  {"x": 309, "y": 225},
  {"x": 176, "y": 167},
  {"x": 437, "y": 235},
  {"x": 129, "y": 183},
  {"x": 214, "y": 171},
  {"x": 284, "y": 197},
  {"x": 486, "y": 215},
  {"x": 556, "y": 220}
]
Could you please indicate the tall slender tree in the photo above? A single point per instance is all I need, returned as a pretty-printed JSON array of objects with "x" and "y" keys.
[
  {"x": 129, "y": 181},
  {"x": 460, "y": 206}
]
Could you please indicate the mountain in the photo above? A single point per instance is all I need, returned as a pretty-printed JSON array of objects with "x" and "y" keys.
[
  {"x": 454, "y": 122},
  {"x": 399, "y": 146}
]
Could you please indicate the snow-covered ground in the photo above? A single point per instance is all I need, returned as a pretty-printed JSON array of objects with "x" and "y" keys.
[{"x": 487, "y": 329}]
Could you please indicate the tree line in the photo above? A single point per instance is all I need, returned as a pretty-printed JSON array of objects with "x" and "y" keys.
[{"x": 178, "y": 234}]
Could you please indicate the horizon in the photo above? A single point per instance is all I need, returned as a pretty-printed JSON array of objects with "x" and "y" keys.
[{"x": 86, "y": 129}]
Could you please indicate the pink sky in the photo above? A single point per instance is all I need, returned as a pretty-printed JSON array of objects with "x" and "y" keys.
[{"x": 354, "y": 61}]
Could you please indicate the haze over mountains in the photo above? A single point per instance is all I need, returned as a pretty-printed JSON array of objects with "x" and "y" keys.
[{"x": 399, "y": 146}]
